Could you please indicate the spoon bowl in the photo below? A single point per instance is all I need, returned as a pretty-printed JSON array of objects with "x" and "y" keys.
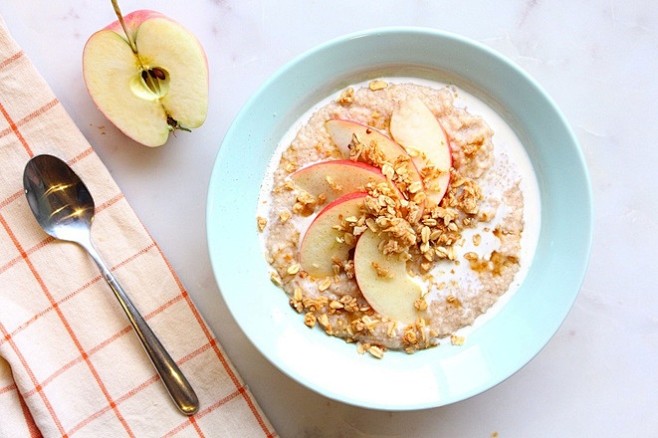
[
  {"x": 64, "y": 208},
  {"x": 60, "y": 201}
]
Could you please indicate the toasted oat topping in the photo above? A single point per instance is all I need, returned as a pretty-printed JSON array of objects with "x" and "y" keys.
[
  {"x": 305, "y": 205},
  {"x": 377, "y": 85},
  {"x": 381, "y": 271},
  {"x": 324, "y": 284},
  {"x": 293, "y": 269},
  {"x": 376, "y": 351},
  {"x": 310, "y": 319},
  {"x": 276, "y": 278},
  {"x": 420, "y": 304},
  {"x": 346, "y": 98},
  {"x": 323, "y": 319},
  {"x": 495, "y": 264},
  {"x": 453, "y": 301},
  {"x": 284, "y": 216},
  {"x": 457, "y": 340},
  {"x": 261, "y": 222},
  {"x": 410, "y": 336}
]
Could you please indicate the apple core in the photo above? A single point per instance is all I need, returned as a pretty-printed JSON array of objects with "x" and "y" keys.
[{"x": 151, "y": 84}]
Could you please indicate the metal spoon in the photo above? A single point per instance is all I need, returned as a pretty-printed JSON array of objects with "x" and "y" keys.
[{"x": 64, "y": 208}]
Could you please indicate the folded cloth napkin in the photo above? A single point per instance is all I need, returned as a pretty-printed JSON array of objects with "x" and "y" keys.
[{"x": 70, "y": 364}]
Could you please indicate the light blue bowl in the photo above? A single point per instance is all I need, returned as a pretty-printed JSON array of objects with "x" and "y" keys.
[{"x": 497, "y": 348}]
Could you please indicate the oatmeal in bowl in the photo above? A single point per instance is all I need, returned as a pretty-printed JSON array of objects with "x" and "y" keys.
[
  {"x": 492, "y": 296},
  {"x": 391, "y": 217}
]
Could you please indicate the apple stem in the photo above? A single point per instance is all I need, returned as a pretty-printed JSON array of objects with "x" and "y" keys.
[
  {"x": 174, "y": 125},
  {"x": 131, "y": 41}
]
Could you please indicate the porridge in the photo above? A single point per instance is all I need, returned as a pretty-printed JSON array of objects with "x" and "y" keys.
[{"x": 391, "y": 220}]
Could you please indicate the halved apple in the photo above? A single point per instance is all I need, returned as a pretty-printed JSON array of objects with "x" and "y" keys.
[
  {"x": 414, "y": 126},
  {"x": 148, "y": 75},
  {"x": 323, "y": 243},
  {"x": 342, "y": 133},
  {"x": 384, "y": 280},
  {"x": 335, "y": 178}
]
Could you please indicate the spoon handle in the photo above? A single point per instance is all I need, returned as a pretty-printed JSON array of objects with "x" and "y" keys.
[{"x": 172, "y": 377}]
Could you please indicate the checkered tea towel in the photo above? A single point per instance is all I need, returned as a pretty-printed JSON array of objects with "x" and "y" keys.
[{"x": 70, "y": 364}]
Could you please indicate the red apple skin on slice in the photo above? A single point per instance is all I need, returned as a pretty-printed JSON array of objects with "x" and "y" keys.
[
  {"x": 320, "y": 245},
  {"x": 342, "y": 131},
  {"x": 384, "y": 280},
  {"x": 416, "y": 128},
  {"x": 336, "y": 178}
]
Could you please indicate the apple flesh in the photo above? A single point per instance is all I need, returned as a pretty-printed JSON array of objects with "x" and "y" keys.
[
  {"x": 322, "y": 243},
  {"x": 414, "y": 126},
  {"x": 149, "y": 80},
  {"x": 384, "y": 280},
  {"x": 336, "y": 178},
  {"x": 343, "y": 132}
]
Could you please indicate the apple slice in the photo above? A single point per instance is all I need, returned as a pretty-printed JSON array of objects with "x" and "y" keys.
[
  {"x": 149, "y": 79},
  {"x": 384, "y": 281},
  {"x": 336, "y": 178},
  {"x": 343, "y": 131},
  {"x": 322, "y": 243},
  {"x": 414, "y": 126}
]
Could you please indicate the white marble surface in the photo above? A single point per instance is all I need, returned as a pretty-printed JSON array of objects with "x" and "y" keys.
[{"x": 598, "y": 60}]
